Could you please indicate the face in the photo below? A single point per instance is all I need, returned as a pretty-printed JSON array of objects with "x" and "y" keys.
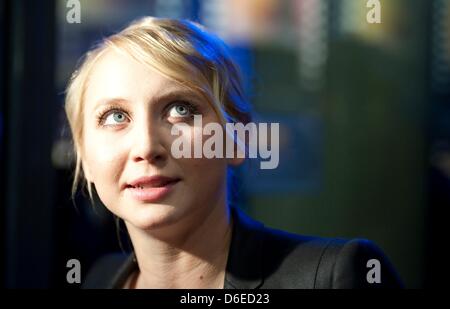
[{"x": 129, "y": 112}]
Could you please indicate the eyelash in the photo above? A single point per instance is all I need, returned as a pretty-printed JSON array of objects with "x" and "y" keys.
[
  {"x": 193, "y": 109},
  {"x": 102, "y": 115}
]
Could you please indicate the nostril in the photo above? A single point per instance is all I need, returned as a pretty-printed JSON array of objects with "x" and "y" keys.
[{"x": 150, "y": 158}]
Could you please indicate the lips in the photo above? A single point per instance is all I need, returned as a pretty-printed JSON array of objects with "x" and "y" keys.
[
  {"x": 151, "y": 189},
  {"x": 151, "y": 182}
]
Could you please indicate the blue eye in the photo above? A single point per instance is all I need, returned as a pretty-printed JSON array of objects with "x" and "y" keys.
[
  {"x": 180, "y": 111},
  {"x": 115, "y": 118}
]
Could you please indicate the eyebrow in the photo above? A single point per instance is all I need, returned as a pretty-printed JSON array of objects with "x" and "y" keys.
[{"x": 179, "y": 94}]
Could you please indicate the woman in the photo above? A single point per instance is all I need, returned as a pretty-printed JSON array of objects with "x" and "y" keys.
[{"x": 122, "y": 105}]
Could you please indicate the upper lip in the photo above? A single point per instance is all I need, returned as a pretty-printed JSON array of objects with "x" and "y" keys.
[{"x": 152, "y": 181}]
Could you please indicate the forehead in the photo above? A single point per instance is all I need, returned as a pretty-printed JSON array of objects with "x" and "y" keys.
[{"x": 119, "y": 75}]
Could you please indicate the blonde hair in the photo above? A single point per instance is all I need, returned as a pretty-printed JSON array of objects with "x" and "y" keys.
[{"x": 178, "y": 49}]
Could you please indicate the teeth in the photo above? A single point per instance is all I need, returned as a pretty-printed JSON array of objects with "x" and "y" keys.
[
  {"x": 152, "y": 186},
  {"x": 155, "y": 185},
  {"x": 138, "y": 187}
]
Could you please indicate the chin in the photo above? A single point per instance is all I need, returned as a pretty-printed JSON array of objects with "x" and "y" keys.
[{"x": 153, "y": 216}]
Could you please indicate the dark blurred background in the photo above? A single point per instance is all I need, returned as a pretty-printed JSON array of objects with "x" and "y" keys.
[{"x": 364, "y": 112}]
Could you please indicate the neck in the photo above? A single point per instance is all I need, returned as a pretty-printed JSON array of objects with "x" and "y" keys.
[{"x": 194, "y": 256}]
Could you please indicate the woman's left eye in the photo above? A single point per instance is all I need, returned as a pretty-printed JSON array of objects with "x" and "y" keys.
[{"x": 181, "y": 110}]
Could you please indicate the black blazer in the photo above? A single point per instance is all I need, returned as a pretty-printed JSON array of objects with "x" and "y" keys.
[{"x": 262, "y": 257}]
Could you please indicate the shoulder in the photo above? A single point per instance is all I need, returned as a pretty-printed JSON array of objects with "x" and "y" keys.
[
  {"x": 270, "y": 258},
  {"x": 109, "y": 271},
  {"x": 298, "y": 261}
]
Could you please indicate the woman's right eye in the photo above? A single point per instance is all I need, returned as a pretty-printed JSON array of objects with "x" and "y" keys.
[{"x": 114, "y": 118}]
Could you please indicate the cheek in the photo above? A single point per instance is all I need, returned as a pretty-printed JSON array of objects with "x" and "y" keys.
[
  {"x": 203, "y": 170},
  {"x": 198, "y": 172},
  {"x": 204, "y": 180},
  {"x": 104, "y": 158}
]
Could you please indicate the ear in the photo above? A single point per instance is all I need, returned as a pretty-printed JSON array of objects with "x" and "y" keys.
[
  {"x": 235, "y": 161},
  {"x": 239, "y": 150},
  {"x": 239, "y": 155}
]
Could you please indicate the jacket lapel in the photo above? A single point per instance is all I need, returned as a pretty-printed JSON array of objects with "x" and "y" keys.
[{"x": 245, "y": 260}]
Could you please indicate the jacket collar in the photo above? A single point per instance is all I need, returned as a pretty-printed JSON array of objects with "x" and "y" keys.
[{"x": 244, "y": 268}]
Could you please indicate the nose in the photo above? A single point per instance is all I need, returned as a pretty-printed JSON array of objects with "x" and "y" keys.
[{"x": 148, "y": 143}]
